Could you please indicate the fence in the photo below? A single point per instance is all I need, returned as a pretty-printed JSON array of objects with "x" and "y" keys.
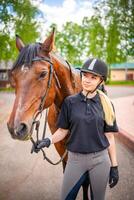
[{"x": 4, "y": 78}]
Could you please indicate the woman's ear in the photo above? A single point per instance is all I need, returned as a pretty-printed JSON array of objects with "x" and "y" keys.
[{"x": 102, "y": 87}]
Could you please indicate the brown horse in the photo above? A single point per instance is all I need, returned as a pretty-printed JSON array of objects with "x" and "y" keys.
[{"x": 30, "y": 76}]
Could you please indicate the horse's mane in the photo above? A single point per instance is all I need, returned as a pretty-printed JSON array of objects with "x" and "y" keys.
[
  {"x": 65, "y": 62},
  {"x": 30, "y": 51},
  {"x": 56, "y": 55},
  {"x": 26, "y": 55}
]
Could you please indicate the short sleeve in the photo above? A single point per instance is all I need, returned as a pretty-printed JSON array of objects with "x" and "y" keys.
[
  {"x": 113, "y": 128},
  {"x": 63, "y": 118}
]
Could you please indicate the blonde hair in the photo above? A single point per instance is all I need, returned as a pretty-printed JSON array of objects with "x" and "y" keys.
[{"x": 107, "y": 108}]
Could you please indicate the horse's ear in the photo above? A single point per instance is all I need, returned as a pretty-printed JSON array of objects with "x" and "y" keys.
[
  {"x": 48, "y": 44},
  {"x": 19, "y": 43}
]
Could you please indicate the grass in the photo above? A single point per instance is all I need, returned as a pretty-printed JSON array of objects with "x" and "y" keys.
[
  {"x": 122, "y": 83},
  {"x": 9, "y": 89}
]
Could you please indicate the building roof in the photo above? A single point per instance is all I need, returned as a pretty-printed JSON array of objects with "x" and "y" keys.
[{"x": 126, "y": 65}]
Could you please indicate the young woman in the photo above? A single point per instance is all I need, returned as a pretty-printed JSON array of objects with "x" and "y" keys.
[{"x": 89, "y": 119}]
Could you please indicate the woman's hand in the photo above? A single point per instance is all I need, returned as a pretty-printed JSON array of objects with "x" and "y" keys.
[
  {"x": 44, "y": 143},
  {"x": 40, "y": 144},
  {"x": 59, "y": 135},
  {"x": 113, "y": 176}
]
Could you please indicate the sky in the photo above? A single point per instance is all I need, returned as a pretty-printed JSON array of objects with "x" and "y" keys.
[
  {"x": 54, "y": 2},
  {"x": 62, "y": 11}
]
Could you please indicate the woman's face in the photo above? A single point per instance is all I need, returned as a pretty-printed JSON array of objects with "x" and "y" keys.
[{"x": 90, "y": 81}]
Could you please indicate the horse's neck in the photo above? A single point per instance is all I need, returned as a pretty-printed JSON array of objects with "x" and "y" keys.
[{"x": 67, "y": 87}]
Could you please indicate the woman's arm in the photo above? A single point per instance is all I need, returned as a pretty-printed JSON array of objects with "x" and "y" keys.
[
  {"x": 59, "y": 135},
  {"x": 112, "y": 148}
]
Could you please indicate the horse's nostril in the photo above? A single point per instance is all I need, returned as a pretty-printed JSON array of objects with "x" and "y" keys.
[{"x": 22, "y": 129}]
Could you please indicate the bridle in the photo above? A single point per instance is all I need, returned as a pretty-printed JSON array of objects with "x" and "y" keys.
[
  {"x": 40, "y": 110},
  {"x": 36, "y": 122},
  {"x": 43, "y": 99}
]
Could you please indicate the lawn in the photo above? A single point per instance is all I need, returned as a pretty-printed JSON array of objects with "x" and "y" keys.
[{"x": 123, "y": 83}]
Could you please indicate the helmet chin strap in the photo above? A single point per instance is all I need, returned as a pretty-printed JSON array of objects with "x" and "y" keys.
[{"x": 93, "y": 90}]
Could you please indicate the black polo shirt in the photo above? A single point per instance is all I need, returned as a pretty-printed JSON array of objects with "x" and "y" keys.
[{"x": 85, "y": 121}]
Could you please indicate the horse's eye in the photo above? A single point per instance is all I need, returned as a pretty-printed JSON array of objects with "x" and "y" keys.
[{"x": 43, "y": 74}]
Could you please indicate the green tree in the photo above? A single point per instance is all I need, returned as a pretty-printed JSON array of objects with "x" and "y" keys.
[
  {"x": 16, "y": 16},
  {"x": 126, "y": 19},
  {"x": 118, "y": 16},
  {"x": 108, "y": 34},
  {"x": 69, "y": 42},
  {"x": 77, "y": 42},
  {"x": 94, "y": 34}
]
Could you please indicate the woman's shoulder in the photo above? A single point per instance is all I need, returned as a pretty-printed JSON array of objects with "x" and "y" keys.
[{"x": 72, "y": 98}]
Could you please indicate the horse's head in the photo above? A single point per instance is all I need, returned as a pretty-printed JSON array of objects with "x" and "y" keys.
[{"x": 30, "y": 76}]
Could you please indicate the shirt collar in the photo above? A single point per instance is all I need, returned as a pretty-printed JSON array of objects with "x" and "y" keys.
[{"x": 83, "y": 97}]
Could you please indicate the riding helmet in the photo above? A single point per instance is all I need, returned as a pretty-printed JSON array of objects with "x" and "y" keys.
[{"x": 95, "y": 66}]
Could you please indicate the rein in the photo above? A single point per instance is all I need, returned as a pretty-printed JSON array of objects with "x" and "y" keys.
[{"x": 40, "y": 110}]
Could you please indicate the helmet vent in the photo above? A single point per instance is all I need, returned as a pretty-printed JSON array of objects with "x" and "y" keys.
[{"x": 91, "y": 65}]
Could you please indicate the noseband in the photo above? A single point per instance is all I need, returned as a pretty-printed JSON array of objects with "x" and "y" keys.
[{"x": 40, "y": 110}]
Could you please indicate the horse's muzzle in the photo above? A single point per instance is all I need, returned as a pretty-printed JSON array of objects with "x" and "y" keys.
[{"x": 20, "y": 132}]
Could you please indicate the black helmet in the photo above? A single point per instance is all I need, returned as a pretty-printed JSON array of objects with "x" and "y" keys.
[{"x": 95, "y": 66}]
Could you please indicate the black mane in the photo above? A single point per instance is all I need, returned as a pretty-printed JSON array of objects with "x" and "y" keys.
[
  {"x": 26, "y": 55},
  {"x": 29, "y": 52}
]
